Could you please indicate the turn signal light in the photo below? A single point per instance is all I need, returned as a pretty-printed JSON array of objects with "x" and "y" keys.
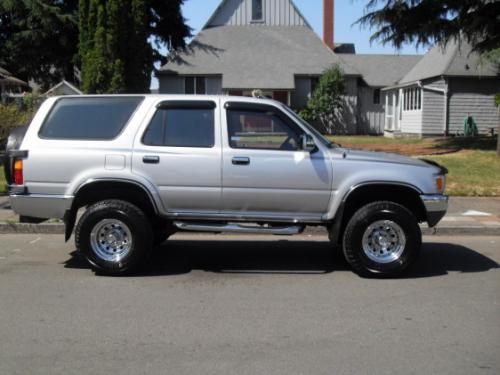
[
  {"x": 18, "y": 172},
  {"x": 440, "y": 183}
]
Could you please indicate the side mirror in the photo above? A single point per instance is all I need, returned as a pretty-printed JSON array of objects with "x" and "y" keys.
[{"x": 308, "y": 144}]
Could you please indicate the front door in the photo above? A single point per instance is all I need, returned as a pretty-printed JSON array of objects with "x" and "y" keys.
[
  {"x": 265, "y": 172},
  {"x": 179, "y": 151}
]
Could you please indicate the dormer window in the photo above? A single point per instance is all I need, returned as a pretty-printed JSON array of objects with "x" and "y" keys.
[{"x": 257, "y": 11}]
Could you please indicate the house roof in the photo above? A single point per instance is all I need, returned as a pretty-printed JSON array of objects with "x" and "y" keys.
[
  {"x": 9, "y": 79},
  {"x": 456, "y": 59},
  {"x": 67, "y": 84},
  {"x": 265, "y": 57},
  {"x": 381, "y": 70}
]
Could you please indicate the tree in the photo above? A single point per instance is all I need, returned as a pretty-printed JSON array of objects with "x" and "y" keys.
[
  {"x": 327, "y": 102},
  {"x": 120, "y": 40},
  {"x": 38, "y": 39},
  {"x": 425, "y": 22}
]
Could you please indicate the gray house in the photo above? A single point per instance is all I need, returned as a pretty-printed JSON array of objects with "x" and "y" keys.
[
  {"x": 270, "y": 46},
  {"x": 444, "y": 87}
]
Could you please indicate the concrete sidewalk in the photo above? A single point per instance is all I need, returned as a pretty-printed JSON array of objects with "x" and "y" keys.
[{"x": 466, "y": 215}]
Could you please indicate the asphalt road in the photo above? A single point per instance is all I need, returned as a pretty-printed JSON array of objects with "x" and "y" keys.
[{"x": 249, "y": 305}]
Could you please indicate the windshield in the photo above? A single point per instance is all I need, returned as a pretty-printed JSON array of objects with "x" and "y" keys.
[{"x": 309, "y": 127}]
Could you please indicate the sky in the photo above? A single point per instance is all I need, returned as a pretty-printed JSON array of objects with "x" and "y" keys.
[{"x": 347, "y": 12}]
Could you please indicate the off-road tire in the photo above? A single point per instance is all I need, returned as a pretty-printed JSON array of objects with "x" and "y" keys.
[
  {"x": 137, "y": 222},
  {"x": 361, "y": 220}
]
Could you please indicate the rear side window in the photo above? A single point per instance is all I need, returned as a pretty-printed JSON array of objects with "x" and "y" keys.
[
  {"x": 181, "y": 127},
  {"x": 96, "y": 118}
]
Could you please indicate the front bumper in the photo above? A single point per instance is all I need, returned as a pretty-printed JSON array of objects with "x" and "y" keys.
[
  {"x": 435, "y": 207},
  {"x": 40, "y": 206}
]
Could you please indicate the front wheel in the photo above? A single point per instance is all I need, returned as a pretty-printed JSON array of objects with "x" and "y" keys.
[
  {"x": 382, "y": 239},
  {"x": 115, "y": 236}
]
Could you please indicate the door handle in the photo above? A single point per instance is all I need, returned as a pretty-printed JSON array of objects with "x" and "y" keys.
[
  {"x": 241, "y": 160},
  {"x": 151, "y": 159}
]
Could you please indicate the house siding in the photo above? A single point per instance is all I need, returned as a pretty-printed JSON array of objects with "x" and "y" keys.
[
  {"x": 371, "y": 115},
  {"x": 433, "y": 107},
  {"x": 239, "y": 13},
  {"x": 411, "y": 122},
  {"x": 474, "y": 96},
  {"x": 350, "y": 110}
]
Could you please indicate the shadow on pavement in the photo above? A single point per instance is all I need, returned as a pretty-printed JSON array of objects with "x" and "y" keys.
[{"x": 290, "y": 257}]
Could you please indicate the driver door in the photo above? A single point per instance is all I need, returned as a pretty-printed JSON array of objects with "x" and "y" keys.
[{"x": 265, "y": 172}]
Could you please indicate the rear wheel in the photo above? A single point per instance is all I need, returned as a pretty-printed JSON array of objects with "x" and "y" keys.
[
  {"x": 115, "y": 236},
  {"x": 382, "y": 239}
]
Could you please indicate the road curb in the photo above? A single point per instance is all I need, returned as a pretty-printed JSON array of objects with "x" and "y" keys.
[{"x": 58, "y": 228}]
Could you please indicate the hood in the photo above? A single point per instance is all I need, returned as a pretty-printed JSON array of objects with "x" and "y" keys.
[{"x": 379, "y": 157}]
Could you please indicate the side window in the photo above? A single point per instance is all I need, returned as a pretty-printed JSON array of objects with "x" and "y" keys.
[
  {"x": 181, "y": 127},
  {"x": 262, "y": 131},
  {"x": 89, "y": 118}
]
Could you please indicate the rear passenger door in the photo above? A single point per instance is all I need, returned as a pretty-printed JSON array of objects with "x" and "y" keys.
[{"x": 179, "y": 150}]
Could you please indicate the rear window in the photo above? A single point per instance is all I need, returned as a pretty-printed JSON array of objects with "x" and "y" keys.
[{"x": 97, "y": 118}]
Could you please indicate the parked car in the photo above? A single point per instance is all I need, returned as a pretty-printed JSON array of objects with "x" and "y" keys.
[{"x": 146, "y": 166}]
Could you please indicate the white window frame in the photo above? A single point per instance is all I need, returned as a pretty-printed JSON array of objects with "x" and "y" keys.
[{"x": 412, "y": 99}]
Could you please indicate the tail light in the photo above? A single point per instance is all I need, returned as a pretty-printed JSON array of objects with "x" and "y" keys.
[{"x": 18, "y": 172}]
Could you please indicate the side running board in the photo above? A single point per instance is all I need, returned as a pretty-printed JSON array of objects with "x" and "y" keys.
[{"x": 238, "y": 228}]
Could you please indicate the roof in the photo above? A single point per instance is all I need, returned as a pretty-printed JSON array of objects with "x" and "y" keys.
[
  {"x": 250, "y": 57},
  {"x": 382, "y": 70},
  {"x": 456, "y": 59},
  {"x": 64, "y": 83},
  {"x": 8, "y": 78}
]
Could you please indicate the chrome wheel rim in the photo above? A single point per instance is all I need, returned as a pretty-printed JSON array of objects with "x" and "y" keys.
[
  {"x": 384, "y": 241},
  {"x": 111, "y": 240}
]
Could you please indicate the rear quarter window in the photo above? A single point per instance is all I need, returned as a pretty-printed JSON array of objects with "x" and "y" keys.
[{"x": 95, "y": 118}]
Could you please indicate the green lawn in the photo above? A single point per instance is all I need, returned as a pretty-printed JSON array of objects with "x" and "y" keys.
[
  {"x": 474, "y": 168},
  {"x": 374, "y": 140},
  {"x": 3, "y": 183},
  {"x": 471, "y": 172}
]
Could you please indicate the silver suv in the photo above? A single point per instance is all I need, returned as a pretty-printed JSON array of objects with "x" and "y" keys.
[{"x": 147, "y": 166}]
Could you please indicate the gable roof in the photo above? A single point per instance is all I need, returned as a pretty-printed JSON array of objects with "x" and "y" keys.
[
  {"x": 249, "y": 57},
  {"x": 71, "y": 88},
  {"x": 228, "y": 9},
  {"x": 381, "y": 70},
  {"x": 456, "y": 59}
]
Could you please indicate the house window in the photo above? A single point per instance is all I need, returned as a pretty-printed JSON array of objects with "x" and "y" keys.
[
  {"x": 257, "y": 11},
  {"x": 376, "y": 96},
  {"x": 195, "y": 85},
  {"x": 314, "y": 84},
  {"x": 412, "y": 99}
]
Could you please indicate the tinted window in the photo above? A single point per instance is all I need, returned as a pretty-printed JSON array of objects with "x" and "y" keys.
[
  {"x": 181, "y": 128},
  {"x": 98, "y": 118},
  {"x": 261, "y": 130}
]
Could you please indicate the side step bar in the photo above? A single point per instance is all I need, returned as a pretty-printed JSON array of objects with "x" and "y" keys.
[{"x": 238, "y": 228}]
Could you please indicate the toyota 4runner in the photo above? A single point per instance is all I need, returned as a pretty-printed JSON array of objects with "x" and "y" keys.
[{"x": 146, "y": 166}]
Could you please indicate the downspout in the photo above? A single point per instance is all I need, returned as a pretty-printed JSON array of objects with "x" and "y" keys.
[{"x": 445, "y": 93}]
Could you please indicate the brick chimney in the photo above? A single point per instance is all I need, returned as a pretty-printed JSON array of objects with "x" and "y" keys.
[{"x": 328, "y": 12}]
